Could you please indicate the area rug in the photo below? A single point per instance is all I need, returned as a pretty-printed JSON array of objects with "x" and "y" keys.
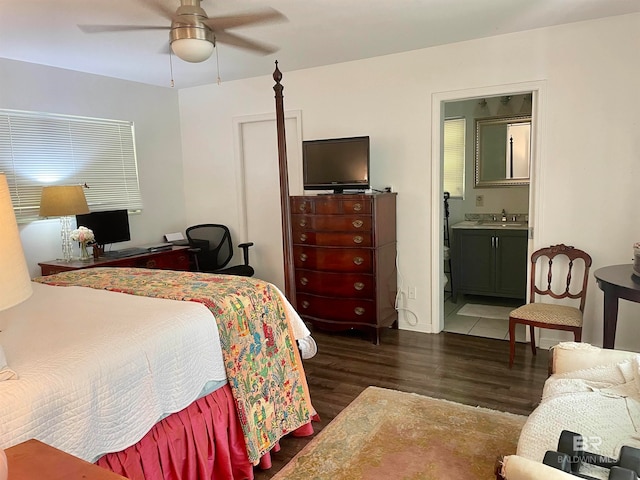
[
  {"x": 387, "y": 434},
  {"x": 485, "y": 311}
]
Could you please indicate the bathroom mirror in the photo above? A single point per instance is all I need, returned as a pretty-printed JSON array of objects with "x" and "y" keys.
[{"x": 503, "y": 151}]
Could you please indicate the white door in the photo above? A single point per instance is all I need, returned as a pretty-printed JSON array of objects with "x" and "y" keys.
[{"x": 260, "y": 188}]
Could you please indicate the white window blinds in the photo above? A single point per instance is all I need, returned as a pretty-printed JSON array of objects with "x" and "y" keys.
[
  {"x": 38, "y": 149},
  {"x": 454, "y": 148}
]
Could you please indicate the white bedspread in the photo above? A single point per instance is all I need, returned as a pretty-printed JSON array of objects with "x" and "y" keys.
[{"x": 98, "y": 369}]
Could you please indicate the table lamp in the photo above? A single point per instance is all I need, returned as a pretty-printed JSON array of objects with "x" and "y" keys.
[
  {"x": 63, "y": 201},
  {"x": 15, "y": 283}
]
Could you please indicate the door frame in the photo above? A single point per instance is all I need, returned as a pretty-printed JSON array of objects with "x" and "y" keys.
[{"x": 538, "y": 89}]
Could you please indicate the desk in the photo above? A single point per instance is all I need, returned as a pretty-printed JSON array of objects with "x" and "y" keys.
[
  {"x": 34, "y": 460},
  {"x": 176, "y": 258},
  {"x": 616, "y": 281}
]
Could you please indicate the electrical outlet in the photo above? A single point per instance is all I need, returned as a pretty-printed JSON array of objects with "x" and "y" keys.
[
  {"x": 412, "y": 293},
  {"x": 479, "y": 200}
]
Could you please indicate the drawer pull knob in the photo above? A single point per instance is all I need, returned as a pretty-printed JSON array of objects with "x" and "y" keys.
[
  {"x": 303, "y": 223},
  {"x": 357, "y": 223},
  {"x": 305, "y": 304},
  {"x": 303, "y": 237},
  {"x": 303, "y": 207},
  {"x": 358, "y": 285},
  {"x": 358, "y": 260},
  {"x": 357, "y": 239},
  {"x": 359, "y": 311},
  {"x": 151, "y": 264},
  {"x": 357, "y": 207},
  {"x": 304, "y": 280},
  {"x": 303, "y": 257}
]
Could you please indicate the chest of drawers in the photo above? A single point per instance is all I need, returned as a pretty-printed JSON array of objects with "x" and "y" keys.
[{"x": 344, "y": 249}]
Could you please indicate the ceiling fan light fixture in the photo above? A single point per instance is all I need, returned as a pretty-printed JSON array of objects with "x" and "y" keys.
[
  {"x": 192, "y": 50},
  {"x": 190, "y": 40},
  {"x": 191, "y": 34}
]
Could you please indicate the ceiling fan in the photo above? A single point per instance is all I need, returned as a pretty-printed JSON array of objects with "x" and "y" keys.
[{"x": 193, "y": 35}]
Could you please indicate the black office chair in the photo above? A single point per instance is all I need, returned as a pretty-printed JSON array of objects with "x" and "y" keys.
[{"x": 212, "y": 250}]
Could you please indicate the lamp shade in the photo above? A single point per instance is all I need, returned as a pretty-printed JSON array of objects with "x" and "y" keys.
[
  {"x": 15, "y": 283},
  {"x": 62, "y": 200}
]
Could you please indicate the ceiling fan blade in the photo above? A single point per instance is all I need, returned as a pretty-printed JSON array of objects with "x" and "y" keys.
[
  {"x": 118, "y": 28},
  {"x": 159, "y": 8},
  {"x": 267, "y": 15},
  {"x": 241, "y": 42}
]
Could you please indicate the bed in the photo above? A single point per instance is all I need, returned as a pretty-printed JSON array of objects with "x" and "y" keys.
[
  {"x": 153, "y": 373},
  {"x": 156, "y": 374}
]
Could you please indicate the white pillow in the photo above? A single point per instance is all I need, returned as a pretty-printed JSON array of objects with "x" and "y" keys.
[
  {"x": 5, "y": 372},
  {"x": 571, "y": 356}
]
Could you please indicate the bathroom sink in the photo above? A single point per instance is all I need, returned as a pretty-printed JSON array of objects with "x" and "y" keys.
[
  {"x": 480, "y": 224},
  {"x": 501, "y": 224}
]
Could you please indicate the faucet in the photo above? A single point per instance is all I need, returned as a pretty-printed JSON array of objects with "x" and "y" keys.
[{"x": 504, "y": 215}]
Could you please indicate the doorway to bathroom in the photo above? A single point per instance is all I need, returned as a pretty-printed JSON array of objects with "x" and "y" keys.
[{"x": 475, "y": 200}]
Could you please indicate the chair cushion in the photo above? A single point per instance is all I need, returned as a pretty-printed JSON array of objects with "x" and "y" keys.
[
  {"x": 242, "y": 270},
  {"x": 549, "y": 313}
]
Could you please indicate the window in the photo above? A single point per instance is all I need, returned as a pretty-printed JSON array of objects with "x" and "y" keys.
[
  {"x": 454, "y": 147},
  {"x": 38, "y": 149}
]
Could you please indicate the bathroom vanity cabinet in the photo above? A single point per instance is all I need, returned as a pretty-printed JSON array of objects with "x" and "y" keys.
[{"x": 490, "y": 262}]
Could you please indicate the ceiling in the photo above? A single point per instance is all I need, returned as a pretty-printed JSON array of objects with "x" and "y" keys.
[{"x": 319, "y": 32}]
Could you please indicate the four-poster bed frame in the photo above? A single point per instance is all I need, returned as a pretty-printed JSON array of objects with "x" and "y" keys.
[
  {"x": 285, "y": 206},
  {"x": 230, "y": 343}
]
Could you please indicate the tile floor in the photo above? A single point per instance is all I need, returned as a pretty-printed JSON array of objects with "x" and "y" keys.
[{"x": 478, "y": 326}]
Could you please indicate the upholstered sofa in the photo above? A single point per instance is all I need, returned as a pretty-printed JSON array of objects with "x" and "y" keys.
[{"x": 592, "y": 391}]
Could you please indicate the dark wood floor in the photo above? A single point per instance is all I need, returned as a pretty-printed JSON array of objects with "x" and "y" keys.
[{"x": 461, "y": 368}]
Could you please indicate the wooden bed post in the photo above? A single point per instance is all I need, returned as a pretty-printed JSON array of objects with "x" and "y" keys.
[{"x": 285, "y": 206}]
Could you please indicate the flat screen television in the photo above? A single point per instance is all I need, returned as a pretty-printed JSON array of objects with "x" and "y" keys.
[
  {"x": 336, "y": 164},
  {"x": 108, "y": 227}
]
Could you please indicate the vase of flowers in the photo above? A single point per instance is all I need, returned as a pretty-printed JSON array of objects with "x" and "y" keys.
[{"x": 84, "y": 236}]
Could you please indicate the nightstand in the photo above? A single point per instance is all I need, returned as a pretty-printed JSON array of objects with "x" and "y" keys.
[{"x": 34, "y": 460}]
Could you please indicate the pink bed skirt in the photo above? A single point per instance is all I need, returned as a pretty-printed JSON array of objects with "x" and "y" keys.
[{"x": 203, "y": 441}]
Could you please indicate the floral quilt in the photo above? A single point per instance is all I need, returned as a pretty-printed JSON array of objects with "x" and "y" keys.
[{"x": 262, "y": 362}]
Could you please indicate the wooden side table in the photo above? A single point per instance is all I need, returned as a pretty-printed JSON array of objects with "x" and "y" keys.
[
  {"x": 34, "y": 460},
  {"x": 616, "y": 281}
]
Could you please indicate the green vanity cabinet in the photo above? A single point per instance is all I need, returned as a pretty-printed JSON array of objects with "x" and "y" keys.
[{"x": 490, "y": 262}]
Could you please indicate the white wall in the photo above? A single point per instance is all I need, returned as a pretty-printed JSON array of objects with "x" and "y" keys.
[
  {"x": 153, "y": 110},
  {"x": 590, "y": 141}
]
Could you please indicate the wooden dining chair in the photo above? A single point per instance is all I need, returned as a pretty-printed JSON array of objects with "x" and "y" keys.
[{"x": 560, "y": 259}]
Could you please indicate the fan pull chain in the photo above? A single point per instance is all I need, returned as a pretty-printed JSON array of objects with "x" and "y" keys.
[
  {"x": 215, "y": 45},
  {"x": 171, "y": 66}
]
